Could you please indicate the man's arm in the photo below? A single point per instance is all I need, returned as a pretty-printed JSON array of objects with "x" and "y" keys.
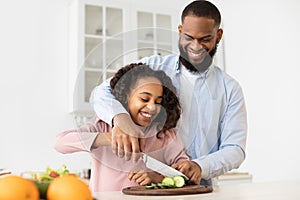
[
  {"x": 127, "y": 139},
  {"x": 232, "y": 141},
  {"x": 220, "y": 162},
  {"x": 104, "y": 103}
]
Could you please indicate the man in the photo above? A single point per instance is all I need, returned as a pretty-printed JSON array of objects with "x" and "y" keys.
[{"x": 213, "y": 125}]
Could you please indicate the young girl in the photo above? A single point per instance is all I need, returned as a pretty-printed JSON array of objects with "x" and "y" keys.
[{"x": 150, "y": 99}]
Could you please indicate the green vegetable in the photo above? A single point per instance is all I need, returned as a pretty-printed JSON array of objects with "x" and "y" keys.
[
  {"x": 168, "y": 182},
  {"x": 179, "y": 181},
  {"x": 43, "y": 179},
  {"x": 42, "y": 187},
  {"x": 61, "y": 171},
  {"x": 159, "y": 185},
  {"x": 153, "y": 185},
  {"x": 49, "y": 174},
  {"x": 41, "y": 176}
]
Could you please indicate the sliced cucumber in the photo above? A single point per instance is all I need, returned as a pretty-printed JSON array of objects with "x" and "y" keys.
[
  {"x": 168, "y": 182},
  {"x": 159, "y": 185},
  {"x": 179, "y": 181},
  {"x": 152, "y": 186}
]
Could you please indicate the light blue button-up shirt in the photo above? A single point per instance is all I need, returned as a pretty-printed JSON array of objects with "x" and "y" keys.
[{"x": 217, "y": 118}]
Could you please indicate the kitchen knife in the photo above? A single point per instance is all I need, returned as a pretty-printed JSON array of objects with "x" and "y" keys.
[{"x": 160, "y": 167}]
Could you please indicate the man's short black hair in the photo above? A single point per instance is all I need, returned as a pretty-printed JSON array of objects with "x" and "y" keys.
[{"x": 202, "y": 8}]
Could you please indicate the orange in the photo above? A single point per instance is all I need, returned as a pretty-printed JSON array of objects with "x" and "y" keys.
[
  {"x": 68, "y": 187},
  {"x": 13, "y": 187}
]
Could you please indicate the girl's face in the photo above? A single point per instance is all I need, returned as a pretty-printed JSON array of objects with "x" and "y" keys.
[{"x": 144, "y": 100}]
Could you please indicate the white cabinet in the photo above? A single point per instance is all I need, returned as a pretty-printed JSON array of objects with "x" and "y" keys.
[
  {"x": 156, "y": 40},
  {"x": 106, "y": 35}
]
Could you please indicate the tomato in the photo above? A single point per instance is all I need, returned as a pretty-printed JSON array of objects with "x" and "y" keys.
[{"x": 53, "y": 174}]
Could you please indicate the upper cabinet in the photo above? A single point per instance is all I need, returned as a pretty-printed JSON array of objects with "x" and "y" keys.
[
  {"x": 106, "y": 35},
  {"x": 155, "y": 34},
  {"x": 103, "y": 44}
]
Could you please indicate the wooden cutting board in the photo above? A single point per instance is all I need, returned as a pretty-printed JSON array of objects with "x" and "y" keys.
[{"x": 189, "y": 189}]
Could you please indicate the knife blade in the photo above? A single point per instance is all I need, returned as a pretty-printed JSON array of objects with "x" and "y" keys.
[{"x": 160, "y": 167}]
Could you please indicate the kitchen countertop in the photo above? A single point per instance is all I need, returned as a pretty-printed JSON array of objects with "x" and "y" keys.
[{"x": 245, "y": 191}]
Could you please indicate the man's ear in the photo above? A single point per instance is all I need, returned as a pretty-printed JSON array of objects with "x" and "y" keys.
[
  {"x": 219, "y": 35},
  {"x": 179, "y": 28}
]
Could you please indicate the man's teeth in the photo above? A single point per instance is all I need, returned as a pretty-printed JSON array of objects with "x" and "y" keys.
[
  {"x": 195, "y": 54},
  {"x": 146, "y": 115}
]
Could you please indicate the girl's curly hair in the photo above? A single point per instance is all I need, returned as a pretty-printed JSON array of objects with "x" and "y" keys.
[{"x": 125, "y": 79}]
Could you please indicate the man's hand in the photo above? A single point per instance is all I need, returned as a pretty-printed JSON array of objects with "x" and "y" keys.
[
  {"x": 127, "y": 139},
  {"x": 145, "y": 178},
  {"x": 191, "y": 169}
]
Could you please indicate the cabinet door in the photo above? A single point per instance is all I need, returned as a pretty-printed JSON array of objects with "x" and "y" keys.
[
  {"x": 102, "y": 46},
  {"x": 154, "y": 34}
]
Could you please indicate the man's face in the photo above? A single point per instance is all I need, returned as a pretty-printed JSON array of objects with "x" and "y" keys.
[{"x": 198, "y": 39}]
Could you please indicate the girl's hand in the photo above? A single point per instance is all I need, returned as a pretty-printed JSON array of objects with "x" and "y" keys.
[{"x": 145, "y": 178}]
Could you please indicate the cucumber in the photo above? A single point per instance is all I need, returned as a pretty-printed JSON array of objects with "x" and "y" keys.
[
  {"x": 159, "y": 185},
  {"x": 179, "y": 181},
  {"x": 152, "y": 186},
  {"x": 168, "y": 182}
]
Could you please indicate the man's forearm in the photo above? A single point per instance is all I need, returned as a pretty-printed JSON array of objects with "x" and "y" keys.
[
  {"x": 102, "y": 139},
  {"x": 104, "y": 103},
  {"x": 217, "y": 163}
]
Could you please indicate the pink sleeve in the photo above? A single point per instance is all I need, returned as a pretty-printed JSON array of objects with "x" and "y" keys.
[
  {"x": 78, "y": 140},
  {"x": 174, "y": 152}
]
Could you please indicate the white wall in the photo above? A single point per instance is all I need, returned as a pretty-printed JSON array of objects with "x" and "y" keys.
[
  {"x": 262, "y": 52},
  {"x": 262, "y": 44},
  {"x": 34, "y": 85}
]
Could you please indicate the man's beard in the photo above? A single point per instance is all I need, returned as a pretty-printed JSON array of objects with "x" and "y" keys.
[{"x": 199, "y": 67}]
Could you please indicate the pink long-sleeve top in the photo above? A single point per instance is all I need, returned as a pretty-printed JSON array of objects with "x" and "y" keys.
[{"x": 109, "y": 172}]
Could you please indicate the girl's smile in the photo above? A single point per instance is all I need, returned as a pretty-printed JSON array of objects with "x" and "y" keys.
[{"x": 144, "y": 101}]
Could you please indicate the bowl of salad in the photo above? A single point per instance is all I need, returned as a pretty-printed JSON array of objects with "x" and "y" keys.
[{"x": 44, "y": 178}]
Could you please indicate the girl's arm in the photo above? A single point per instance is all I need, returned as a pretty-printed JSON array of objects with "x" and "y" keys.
[
  {"x": 88, "y": 136},
  {"x": 74, "y": 141}
]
